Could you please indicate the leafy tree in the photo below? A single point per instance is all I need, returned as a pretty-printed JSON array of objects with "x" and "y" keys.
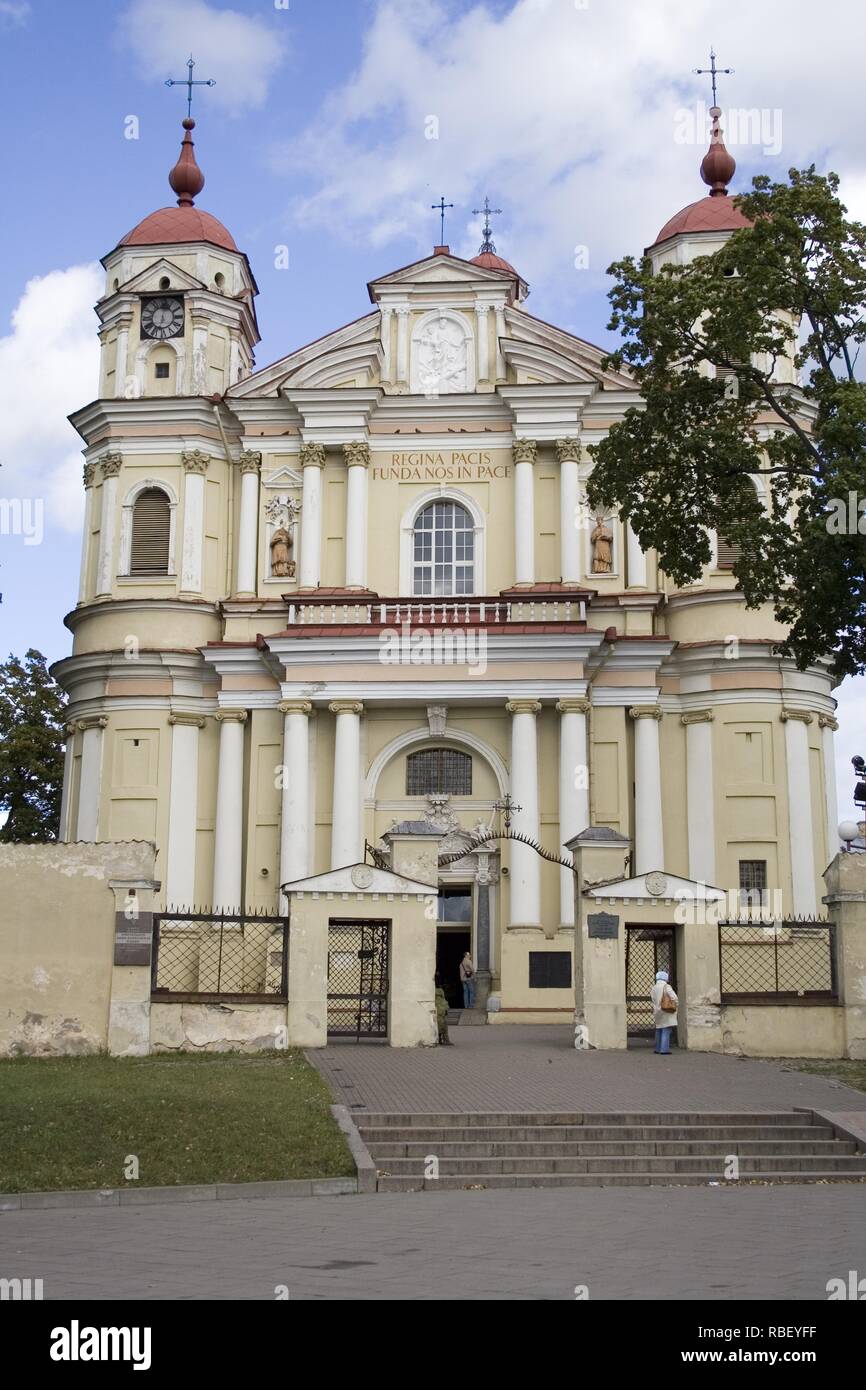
[
  {"x": 31, "y": 749},
  {"x": 792, "y": 283}
]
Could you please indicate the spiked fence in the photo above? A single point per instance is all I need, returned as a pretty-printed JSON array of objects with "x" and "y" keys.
[
  {"x": 792, "y": 959},
  {"x": 232, "y": 956}
]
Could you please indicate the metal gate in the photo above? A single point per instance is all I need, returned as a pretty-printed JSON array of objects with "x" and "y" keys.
[
  {"x": 647, "y": 949},
  {"x": 358, "y": 978}
]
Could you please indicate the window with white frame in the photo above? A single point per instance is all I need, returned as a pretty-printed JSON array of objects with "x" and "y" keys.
[{"x": 443, "y": 550}]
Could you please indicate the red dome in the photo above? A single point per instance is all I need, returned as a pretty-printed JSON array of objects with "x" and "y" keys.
[
  {"x": 489, "y": 260},
  {"x": 174, "y": 225},
  {"x": 711, "y": 214}
]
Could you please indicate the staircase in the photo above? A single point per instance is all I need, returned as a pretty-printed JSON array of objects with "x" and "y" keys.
[{"x": 490, "y": 1150}]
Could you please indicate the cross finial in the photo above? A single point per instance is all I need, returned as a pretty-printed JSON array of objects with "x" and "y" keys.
[
  {"x": 508, "y": 806},
  {"x": 189, "y": 82},
  {"x": 712, "y": 72},
  {"x": 440, "y": 208},
  {"x": 488, "y": 211}
]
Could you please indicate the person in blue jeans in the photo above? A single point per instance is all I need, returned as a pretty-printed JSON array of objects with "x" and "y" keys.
[
  {"x": 663, "y": 1019},
  {"x": 467, "y": 980}
]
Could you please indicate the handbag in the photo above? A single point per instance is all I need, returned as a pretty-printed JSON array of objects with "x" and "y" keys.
[{"x": 666, "y": 1003}]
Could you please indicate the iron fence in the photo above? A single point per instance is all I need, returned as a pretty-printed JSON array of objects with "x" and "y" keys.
[
  {"x": 210, "y": 956},
  {"x": 358, "y": 975},
  {"x": 790, "y": 959}
]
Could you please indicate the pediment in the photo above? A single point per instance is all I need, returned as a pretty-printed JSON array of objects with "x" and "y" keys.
[
  {"x": 284, "y": 477},
  {"x": 541, "y": 350},
  {"x": 537, "y": 362},
  {"x": 656, "y": 886},
  {"x": 359, "y": 339},
  {"x": 358, "y": 878},
  {"x": 354, "y": 364},
  {"x": 148, "y": 280},
  {"x": 439, "y": 270}
]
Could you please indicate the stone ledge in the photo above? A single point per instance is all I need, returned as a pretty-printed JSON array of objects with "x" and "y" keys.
[{"x": 156, "y": 1196}]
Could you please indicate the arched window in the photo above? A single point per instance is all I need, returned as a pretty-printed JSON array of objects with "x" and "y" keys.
[
  {"x": 439, "y": 772},
  {"x": 151, "y": 530},
  {"x": 443, "y": 551}
]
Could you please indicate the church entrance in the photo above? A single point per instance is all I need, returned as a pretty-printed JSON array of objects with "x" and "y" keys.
[
  {"x": 647, "y": 949},
  {"x": 358, "y": 978},
  {"x": 453, "y": 939}
]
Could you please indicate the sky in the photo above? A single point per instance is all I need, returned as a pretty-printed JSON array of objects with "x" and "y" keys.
[{"x": 332, "y": 128}]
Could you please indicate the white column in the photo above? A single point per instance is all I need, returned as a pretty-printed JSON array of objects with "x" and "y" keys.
[
  {"x": 90, "y": 779},
  {"x": 66, "y": 794},
  {"x": 525, "y": 451},
  {"x": 403, "y": 345},
  {"x": 828, "y": 726},
  {"x": 108, "y": 524},
  {"x": 700, "y": 795},
  {"x": 198, "y": 375},
  {"x": 573, "y": 790},
  {"x": 248, "y": 530},
  {"x": 525, "y": 877},
  {"x": 295, "y": 828},
  {"x": 570, "y": 517},
  {"x": 312, "y": 462},
  {"x": 635, "y": 559},
  {"x": 346, "y": 846},
  {"x": 649, "y": 851},
  {"x": 500, "y": 334},
  {"x": 194, "y": 470},
  {"x": 182, "y": 810},
  {"x": 89, "y": 474},
  {"x": 482, "y": 337},
  {"x": 228, "y": 835},
  {"x": 800, "y": 811},
  {"x": 387, "y": 319},
  {"x": 121, "y": 358},
  {"x": 357, "y": 455}
]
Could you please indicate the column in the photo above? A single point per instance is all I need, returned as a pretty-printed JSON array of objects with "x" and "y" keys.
[
  {"x": 570, "y": 517},
  {"x": 121, "y": 357},
  {"x": 483, "y": 971},
  {"x": 387, "y": 314},
  {"x": 796, "y": 723},
  {"x": 194, "y": 469},
  {"x": 229, "y": 831},
  {"x": 250, "y": 463},
  {"x": 700, "y": 800},
  {"x": 182, "y": 809},
  {"x": 525, "y": 877},
  {"x": 294, "y": 814},
  {"x": 482, "y": 338},
  {"x": 500, "y": 334},
  {"x": 198, "y": 376},
  {"x": 828, "y": 726},
  {"x": 108, "y": 524},
  {"x": 357, "y": 456},
  {"x": 649, "y": 850},
  {"x": 403, "y": 345},
  {"x": 66, "y": 795},
  {"x": 312, "y": 462},
  {"x": 573, "y": 790},
  {"x": 635, "y": 559},
  {"x": 90, "y": 779},
  {"x": 346, "y": 846},
  {"x": 525, "y": 452},
  {"x": 89, "y": 476}
]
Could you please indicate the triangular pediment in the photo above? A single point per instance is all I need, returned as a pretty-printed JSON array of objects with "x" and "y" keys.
[
  {"x": 147, "y": 281},
  {"x": 358, "y": 878},
  {"x": 284, "y": 477},
  {"x": 439, "y": 270},
  {"x": 656, "y": 886}
]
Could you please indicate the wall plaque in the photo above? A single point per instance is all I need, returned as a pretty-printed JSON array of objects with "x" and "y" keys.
[
  {"x": 132, "y": 938},
  {"x": 602, "y": 924}
]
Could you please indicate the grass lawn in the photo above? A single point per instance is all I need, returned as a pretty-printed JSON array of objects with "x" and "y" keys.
[
  {"x": 71, "y": 1122},
  {"x": 853, "y": 1073}
]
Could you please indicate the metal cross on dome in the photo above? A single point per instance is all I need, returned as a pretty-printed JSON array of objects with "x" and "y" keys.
[
  {"x": 488, "y": 212},
  {"x": 440, "y": 208},
  {"x": 712, "y": 72},
  {"x": 189, "y": 82},
  {"x": 508, "y": 806}
]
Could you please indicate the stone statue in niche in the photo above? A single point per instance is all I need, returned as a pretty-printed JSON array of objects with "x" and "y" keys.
[
  {"x": 442, "y": 358},
  {"x": 602, "y": 546},
  {"x": 282, "y": 564}
]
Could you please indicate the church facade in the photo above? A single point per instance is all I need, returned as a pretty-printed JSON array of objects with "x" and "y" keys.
[{"x": 361, "y": 587}]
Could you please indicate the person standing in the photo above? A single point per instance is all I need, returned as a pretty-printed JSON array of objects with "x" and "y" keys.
[
  {"x": 664, "y": 1002},
  {"x": 441, "y": 1013},
  {"x": 467, "y": 980}
]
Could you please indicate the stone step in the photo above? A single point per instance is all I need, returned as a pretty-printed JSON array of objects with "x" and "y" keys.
[
  {"x": 383, "y": 1150},
  {"x": 652, "y": 1118},
  {"x": 615, "y": 1134},
  {"x": 482, "y": 1181},
  {"x": 709, "y": 1164}
]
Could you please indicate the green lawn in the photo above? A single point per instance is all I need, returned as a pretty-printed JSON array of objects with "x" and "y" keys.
[
  {"x": 837, "y": 1069},
  {"x": 71, "y": 1122}
]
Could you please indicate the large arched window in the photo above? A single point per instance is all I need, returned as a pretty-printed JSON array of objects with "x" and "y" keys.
[
  {"x": 151, "y": 532},
  {"x": 443, "y": 551},
  {"x": 439, "y": 772}
]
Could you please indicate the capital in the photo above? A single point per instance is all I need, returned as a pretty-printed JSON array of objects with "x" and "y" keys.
[
  {"x": 346, "y": 707},
  {"x": 697, "y": 716},
  {"x": 524, "y": 450},
  {"x": 827, "y": 721},
  {"x": 576, "y": 706},
  {"x": 645, "y": 712},
  {"x": 568, "y": 450},
  {"x": 187, "y": 719},
  {"x": 93, "y": 721},
  {"x": 523, "y": 706},
  {"x": 482, "y": 310},
  {"x": 356, "y": 453},
  {"x": 295, "y": 707},
  {"x": 312, "y": 455},
  {"x": 228, "y": 716},
  {"x": 194, "y": 461},
  {"x": 89, "y": 474},
  {"x": 111, "y": 465},
  {"x": 402, "y": 310},
  {"x": 803, "y": 715},
  {"x": 250, "y": 461}
]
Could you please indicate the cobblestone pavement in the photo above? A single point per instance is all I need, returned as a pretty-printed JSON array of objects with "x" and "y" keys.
[
  {"x": 750, "y": 1242},
  {"x": 528, "y": 1067}
]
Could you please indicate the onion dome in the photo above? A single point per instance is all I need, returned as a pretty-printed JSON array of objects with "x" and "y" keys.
[
  {"x": 716, "y": 212},
  {"x": 184, "y": 222}
]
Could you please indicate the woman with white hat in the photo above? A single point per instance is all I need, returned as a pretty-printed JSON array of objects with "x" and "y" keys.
[{"x": 664, "y": 1002}]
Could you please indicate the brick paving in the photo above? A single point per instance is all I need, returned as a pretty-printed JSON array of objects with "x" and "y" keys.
[
  {"x": 528, "y": 1067},
  {"x": 749, "y": 1242}
]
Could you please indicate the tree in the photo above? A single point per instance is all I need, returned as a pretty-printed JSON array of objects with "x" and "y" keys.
[
  {"x": 792, "y": 284},
  {"x": 31, "y": 749}
]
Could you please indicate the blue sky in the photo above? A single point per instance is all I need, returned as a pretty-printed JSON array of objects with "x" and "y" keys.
[{"x": 333, "y": 126}]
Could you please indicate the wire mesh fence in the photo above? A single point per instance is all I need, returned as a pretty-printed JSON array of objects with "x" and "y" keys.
[
  {"x": 788, "y": 959},
  {"x": 219, "y": 956}
]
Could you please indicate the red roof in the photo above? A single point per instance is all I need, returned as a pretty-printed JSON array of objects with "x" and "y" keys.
[
  {"x": 715, "y": 213},
  {"x": 173, "y": 225},
  {"x": 488, "y": 260}
]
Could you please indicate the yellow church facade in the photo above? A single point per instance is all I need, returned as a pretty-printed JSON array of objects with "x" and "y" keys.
[{"x": 361, "y": 587}]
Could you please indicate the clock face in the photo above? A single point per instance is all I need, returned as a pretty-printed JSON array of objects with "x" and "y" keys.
[{"x": 162, "y": 318}]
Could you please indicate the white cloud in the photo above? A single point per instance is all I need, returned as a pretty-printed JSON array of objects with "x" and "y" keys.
[
  {"x": 49, "y": 366},
  {"x": 241, "y": 53},
  {"x": 13, "y": 13}
]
